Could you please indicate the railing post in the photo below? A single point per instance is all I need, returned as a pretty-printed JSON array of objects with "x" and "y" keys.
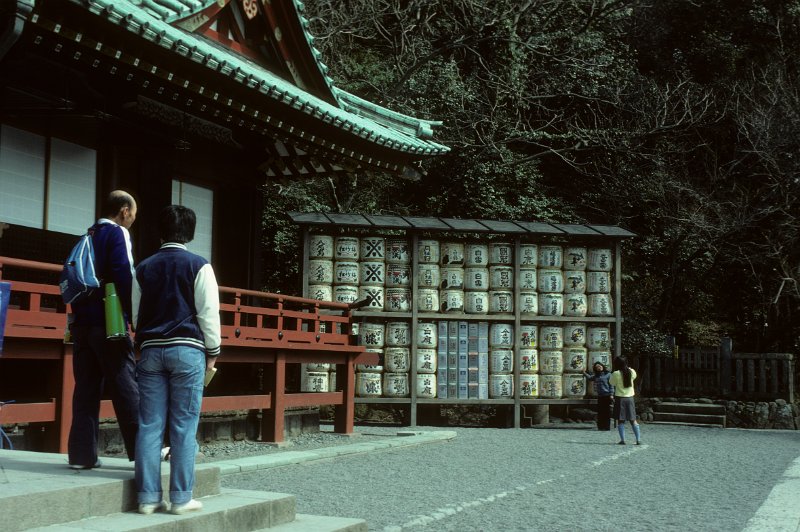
[
  {"x": 345, "y": 412},
  {"x": 725, "y": 359},
  {"x": 272, "y": 423}
]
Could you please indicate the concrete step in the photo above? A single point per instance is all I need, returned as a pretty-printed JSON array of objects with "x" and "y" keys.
[
  {"x": 706, "y": 425},
  {"x": 696, "y": 419},
  {"x": 321, "y": 523},
  {"x": 238, "y": 510},
  {"x": 67, "y": 495},
  {"x": 690, "y": 408}
]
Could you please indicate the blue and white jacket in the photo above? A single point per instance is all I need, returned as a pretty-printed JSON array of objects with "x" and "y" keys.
[{"x": 176, "y": 301}]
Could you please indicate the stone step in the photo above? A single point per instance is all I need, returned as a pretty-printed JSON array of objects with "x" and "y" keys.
[
  {"x": 232, "y": 509},
  {"x": 697, "y": 419},
  {"x": 690, "y": 408},
  {"x": 321, "y": 523},
  {"x": 69, "y": 495},
  {"x": 705, "y": 425}
]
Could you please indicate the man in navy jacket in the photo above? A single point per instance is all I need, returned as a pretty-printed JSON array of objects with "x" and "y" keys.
[{"x": 99, "y": 362}]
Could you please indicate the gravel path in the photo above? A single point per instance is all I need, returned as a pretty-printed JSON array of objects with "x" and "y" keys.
[{"x": 566, "y": 478}]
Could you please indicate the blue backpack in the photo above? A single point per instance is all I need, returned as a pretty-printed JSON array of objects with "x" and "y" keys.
[{"x": 78, "y": 277}]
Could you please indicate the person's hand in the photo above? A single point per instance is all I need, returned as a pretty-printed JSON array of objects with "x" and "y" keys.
[{"x": 210, "y": 361}]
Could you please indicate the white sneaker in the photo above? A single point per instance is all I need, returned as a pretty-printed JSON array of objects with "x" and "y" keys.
[
  {"x": 191, "y": 506},
  {"x": 79, "y": 467},
  {"x": 150, "y": 507},
  {"x": 165, "y": 454}
]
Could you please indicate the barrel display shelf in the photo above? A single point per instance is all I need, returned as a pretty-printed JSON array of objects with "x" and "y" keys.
[{"x": 448, "y": 230}]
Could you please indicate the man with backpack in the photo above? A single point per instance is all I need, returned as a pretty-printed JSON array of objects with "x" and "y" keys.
[{"x": 99, "y": 361}]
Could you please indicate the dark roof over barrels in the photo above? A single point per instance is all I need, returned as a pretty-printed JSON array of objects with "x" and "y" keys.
[{"x": 458, "y": 225}]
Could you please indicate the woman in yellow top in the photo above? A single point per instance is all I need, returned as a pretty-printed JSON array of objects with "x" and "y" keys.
[{"x": 622, "y": 379}]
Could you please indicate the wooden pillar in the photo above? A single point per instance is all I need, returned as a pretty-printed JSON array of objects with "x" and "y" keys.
[
  {"x": 345, "y": 412},
  {"x": 272, "y": 422}
]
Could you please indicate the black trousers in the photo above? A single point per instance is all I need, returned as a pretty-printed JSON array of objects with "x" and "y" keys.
[
  {"x": 604, "y": 412},
  {"x": 99, "y": 363}
]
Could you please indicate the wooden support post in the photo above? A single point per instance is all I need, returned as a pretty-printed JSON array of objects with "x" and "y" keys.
[
  {"x": 539, "y": 414},
  {"x": 272, "y": 422},
  {"x": 725, "y": 354},
  {"x": 345, "y": 412}
]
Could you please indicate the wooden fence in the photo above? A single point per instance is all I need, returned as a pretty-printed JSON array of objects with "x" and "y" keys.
[{"x": 718, "y": 372}]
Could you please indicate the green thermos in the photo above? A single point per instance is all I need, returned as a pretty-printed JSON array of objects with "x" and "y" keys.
[{"x": 115, "y": 319}]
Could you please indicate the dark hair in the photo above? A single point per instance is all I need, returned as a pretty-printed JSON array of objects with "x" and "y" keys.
[
  {"x": 602, "y": 366},
  {"x": 116, "y": 201},
  {"x": 176, "y": 224},
  {"x": 621, "y": 365}
]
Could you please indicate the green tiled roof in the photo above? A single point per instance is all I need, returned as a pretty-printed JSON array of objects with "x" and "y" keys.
[{"x": 150, "y": 20}]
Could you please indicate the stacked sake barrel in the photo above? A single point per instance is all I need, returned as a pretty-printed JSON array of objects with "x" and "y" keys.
[
  {"x": 528, "y": 361},
  {"x": 317, "y": 377},
  {"x": 397, "y": 359},
  {"x": 427, "y": 342},
  {"x": 429, "y": 275},
  {"x": 320, "y": 267},
  {"x": 372, "y": 272},
  {"x": 598, "y": 344},
  {"x": 451, "y": 277},
  {"x": 575, "y": 356},
  {"x": 501, "y": 360},
  {"x": 397, "y": 296},
  {"x": 345, "y": 269},
  {"x": 501, "y": 276},
  {"x": 369, "y": 378},
  {"x": 598, "y": 282}
]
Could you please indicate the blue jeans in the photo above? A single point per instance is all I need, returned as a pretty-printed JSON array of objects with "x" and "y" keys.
[
  {"x": 99, "y": 363},
  {"x": 170, "y": 389}
]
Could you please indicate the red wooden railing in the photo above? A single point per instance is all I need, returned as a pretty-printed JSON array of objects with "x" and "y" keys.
[{"x": 257, "y": 328}]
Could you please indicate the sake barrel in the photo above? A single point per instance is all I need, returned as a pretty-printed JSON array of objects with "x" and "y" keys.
[
  {"x": 600, "y": 260},
  {"x": 397, "y": 251},
  {"x": 320, "y": 271},
  {"x": 398, "y": 275},
  {"x": 320, "y": 247},
  {"x": 550, "y": 386},
  {"x": 574, "y": 258},
  {"x": 575, "y": 305},
  {"x": 374, "y": 295},
  {"x": 368, "y": 384},
  {"x": 426, "y": 335},
  {"x": 372, "y": 248},
  {"x": 574, "y": 282},
  {"x": 314, "y": 381},
  {"x": 603, "y": 357},
  {"x": 551, "y": 337},
  {"x": 426, "y": 360},
  {"x": 574, "y": 359},
  {"x": 451, "y": 300},
  {"x": 528, "y": 335},
  {"x": 476, "y": 278},
  {"x": 551, "y": 257},
  {"x": 550, "y": 281},
  {"x": 345, "y": 248},
  {"x": 598, "y": 282},
  {"x": 429, "y": 276},
  {"x": 426, "y": 386},
  {"x": 527, "y": 279},
  {"x": 398, "y": 334},
  {"x": 528, "y": 385},
  {"x": 428, "y": 252},
  {"x": 345, "y": 272},
  {"x": 528, "y": 360},
  {"x": 476, "y": 255},
  {"x": 452, "y": 278},
  {"x": 501, "y": 335},
  {"x": 316, "y": 366},
  {"x": 528, "y": 255},
  {"x": 598, "y": 338},
  {"x": 529, "y": 302},
  {"x": 397, "y": 300},
  {"x": 395, "y": 385},
  {"x": 372, "y": 273},
  {"x": 375, "y": 368},
  {"x": 501, "y": 360},
  {"x": 574, "y": 334},
  {"x": 428, "y": 300},
  {"x": 345, "y": 293},
  {"x": 574, "y": 385},
  {"x": 321, "y": 292},
  {"x": 501, "y": 302},
  {"x": 397, "y": 359},
  {"x": 551, "y": 361},
  {"x": 372, "y": 335},
  {"x": 551, "y": 304},
  {"x": 501, "y": 277},
  {"x": 501, "y": 253},
  {"x": 452, "y": 253},
  {"x": 501, "y": 386},
  {"x": 476, "y": 302},
  {"x": 600, "y": 305}
]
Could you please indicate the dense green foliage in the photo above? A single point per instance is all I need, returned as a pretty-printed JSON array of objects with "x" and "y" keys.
[{"x": 678, "y": 120}]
